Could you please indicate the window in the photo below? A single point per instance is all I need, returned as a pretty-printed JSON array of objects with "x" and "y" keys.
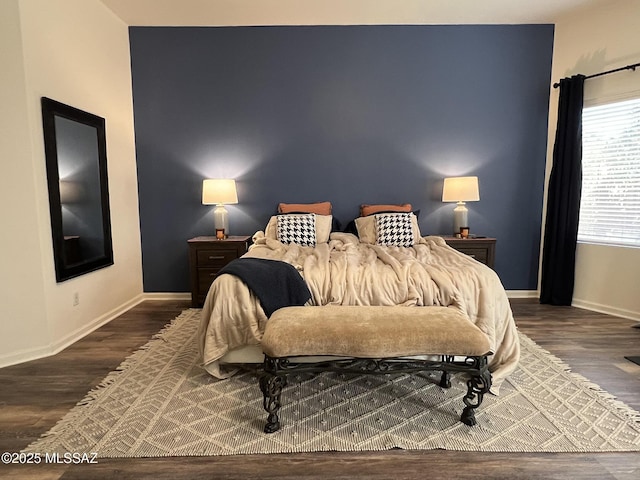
[{"x": 610, "y": 206}]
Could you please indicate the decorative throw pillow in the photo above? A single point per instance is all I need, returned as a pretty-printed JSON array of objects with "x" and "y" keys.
[
  {"x": 366, "y": 210},
  {"x": 394, "y": 229},
  {"x": 323, "y": 228},
  {"x": 319, "y": 208},
  {"x": 367, "y": 231},
  {"x": 298, "y": 229}
]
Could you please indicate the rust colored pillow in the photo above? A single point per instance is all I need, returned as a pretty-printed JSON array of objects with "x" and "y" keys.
[
  {"x": 320, "y": 208},
  {"x": 366, "y": 210}
]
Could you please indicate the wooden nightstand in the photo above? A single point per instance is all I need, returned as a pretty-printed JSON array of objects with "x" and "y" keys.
[
  {"x": 481, "y": 249},
  {"x": 207, "y": 256}
]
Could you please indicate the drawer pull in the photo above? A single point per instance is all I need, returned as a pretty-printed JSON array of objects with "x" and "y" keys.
[
  {"x": 472, "y": 255},
  {"x": 213, "y": 274},
  {"x": 218, "y": 257}
]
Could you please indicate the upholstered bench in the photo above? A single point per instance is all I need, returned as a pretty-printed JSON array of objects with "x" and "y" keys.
[{"x": 370, "y": 339}]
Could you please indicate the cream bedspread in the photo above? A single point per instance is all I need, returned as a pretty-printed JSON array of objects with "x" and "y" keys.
[{"x": 345, "y": 271}]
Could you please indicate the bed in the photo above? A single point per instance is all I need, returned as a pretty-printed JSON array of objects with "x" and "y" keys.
[{"x": 342, "y": 268}]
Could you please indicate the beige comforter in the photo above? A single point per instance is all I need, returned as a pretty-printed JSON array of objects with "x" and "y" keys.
[{"x": 345, "y": 271}]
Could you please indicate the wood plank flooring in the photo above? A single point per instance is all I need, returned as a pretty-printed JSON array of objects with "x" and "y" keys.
[{"x": 35, "y": 395}]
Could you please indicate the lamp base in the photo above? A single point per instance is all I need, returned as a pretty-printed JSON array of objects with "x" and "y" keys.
[
  {"x": 221, "y": 220},
  {"x": 460, "y": 218}
]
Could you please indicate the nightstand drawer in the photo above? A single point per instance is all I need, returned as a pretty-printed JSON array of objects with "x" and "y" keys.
[
  {"x": 206, "y": 276},
  {"x": 215, "y": 258},
  {"x": 479, "y": 254},
  {"x": 481, "y": 249}
]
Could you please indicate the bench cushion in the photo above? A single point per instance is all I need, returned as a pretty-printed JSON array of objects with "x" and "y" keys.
[{"x": 372, "y": 332}]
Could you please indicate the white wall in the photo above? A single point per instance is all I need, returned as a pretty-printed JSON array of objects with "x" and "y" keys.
[
  {"x": 76, "y": 52},
  {"x": 591, "y": 41},
  {"x": 23, "y": 315}
]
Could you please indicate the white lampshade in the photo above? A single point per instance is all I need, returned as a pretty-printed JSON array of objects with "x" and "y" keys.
[
  {"x": 460, "y": 189},
  {"x": 219, "y": 191}
]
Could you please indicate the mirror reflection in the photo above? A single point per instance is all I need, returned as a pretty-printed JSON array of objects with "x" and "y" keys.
[{"x": 78, "y": 199}]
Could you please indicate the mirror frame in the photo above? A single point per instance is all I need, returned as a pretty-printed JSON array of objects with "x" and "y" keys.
[{"x": 50, "y": 110}]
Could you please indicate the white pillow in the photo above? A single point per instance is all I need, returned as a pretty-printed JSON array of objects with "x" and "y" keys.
[
  {"x": 323, "y": 228},
  {"x": 366, "y": 227}
]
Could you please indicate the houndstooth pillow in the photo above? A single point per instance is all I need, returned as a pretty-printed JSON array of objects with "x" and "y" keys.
[
  {"x": 394, "y": 229},
  {"x": 299, "y": 229}
]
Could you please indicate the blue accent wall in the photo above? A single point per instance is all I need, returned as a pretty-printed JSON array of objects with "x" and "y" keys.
[{"x": 349, "y": 114}]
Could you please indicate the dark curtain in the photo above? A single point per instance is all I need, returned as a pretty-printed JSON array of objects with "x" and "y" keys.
[{"x": 563, "y": 199}]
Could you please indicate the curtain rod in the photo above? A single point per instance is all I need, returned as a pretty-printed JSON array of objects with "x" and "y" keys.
[{"x": 628, "y": 67}]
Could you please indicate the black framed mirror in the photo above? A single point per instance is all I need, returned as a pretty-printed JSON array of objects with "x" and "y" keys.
[{"x": 76, "y": 159}]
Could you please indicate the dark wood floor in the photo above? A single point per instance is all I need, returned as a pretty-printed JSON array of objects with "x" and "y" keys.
[{"x": 35, "y": 395}]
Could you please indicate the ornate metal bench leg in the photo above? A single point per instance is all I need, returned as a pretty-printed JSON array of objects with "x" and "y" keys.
[
  {"x": 274, "y": 380},
  {"x": 445, "y": 380},
  {"x": 477, "y": 386},
  {"x": 271, "y": 385}
]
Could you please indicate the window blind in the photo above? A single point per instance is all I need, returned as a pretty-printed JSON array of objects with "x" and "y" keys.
[{"x": 610, "y": 205}]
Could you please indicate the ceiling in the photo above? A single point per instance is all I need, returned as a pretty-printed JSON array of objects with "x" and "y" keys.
[{"x": 341, "y": 12}]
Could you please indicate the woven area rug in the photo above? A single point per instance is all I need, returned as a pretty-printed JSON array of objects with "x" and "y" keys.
[{"x": 161, "y": 403}]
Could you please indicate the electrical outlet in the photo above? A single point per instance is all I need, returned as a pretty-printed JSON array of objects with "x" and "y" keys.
[{"x": 76, "y": 299}]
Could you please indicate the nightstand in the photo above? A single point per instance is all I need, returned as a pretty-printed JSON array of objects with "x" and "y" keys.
[
  {"x": 207, "y": 256},
  {"x": 481, "y": 249}
]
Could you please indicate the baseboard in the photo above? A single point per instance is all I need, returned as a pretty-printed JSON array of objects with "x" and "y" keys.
[
  {"x": 608, "y": 309},
  {"x": 56, "y": 347},
  {"x": 97, "y": 323},
  {"x": 24, "y": 356},
  {"x": 523, "y": 294},
  {"x": 166, "y": 296}
]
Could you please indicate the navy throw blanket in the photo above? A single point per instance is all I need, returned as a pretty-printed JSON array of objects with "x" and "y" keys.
[{"x": 276, "y": 284}]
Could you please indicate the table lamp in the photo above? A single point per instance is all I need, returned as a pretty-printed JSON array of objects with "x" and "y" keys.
[
  {"x": 460, "y": 190},
  {"x": 218, "y": 192}
]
